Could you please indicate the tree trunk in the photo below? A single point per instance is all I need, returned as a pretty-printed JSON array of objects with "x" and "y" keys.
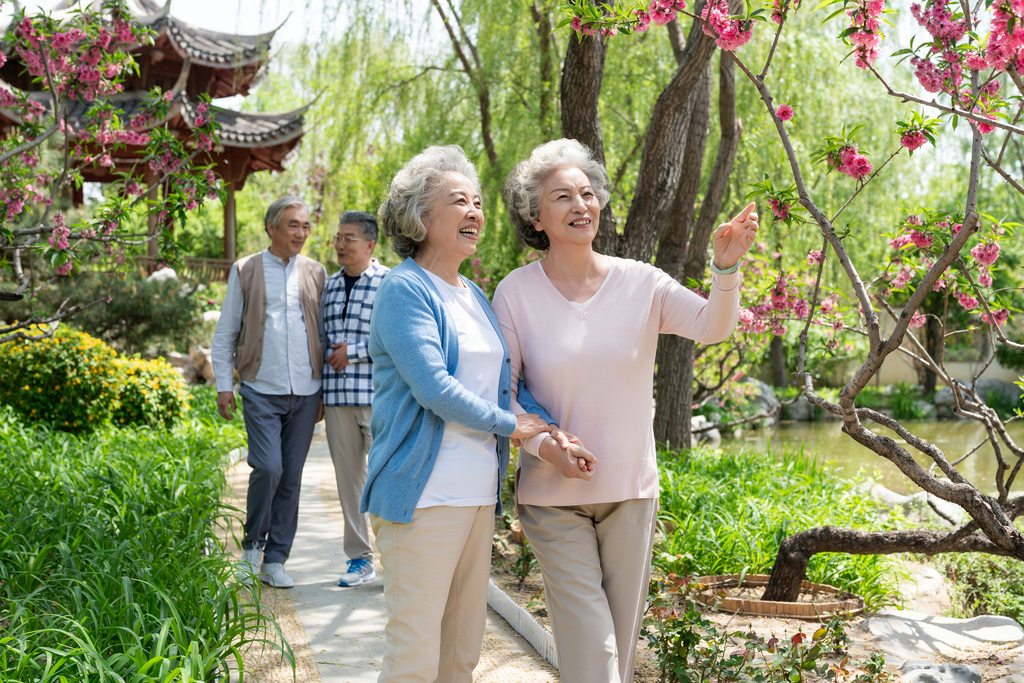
[
  {"x": 934, "y": 343},
  {"x": 674, "y": 359},
  {"x": 796, "y": 551},
  {"x": 582, "y": 74},
  {"x": 779, "y": 375},
  {"x": 674, "y": 389}
]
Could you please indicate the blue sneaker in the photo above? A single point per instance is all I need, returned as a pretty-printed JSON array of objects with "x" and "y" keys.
[{"x": 359, "y": 571}]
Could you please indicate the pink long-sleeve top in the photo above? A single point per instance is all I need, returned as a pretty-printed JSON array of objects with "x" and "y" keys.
[{"x": 593, "y": 369}]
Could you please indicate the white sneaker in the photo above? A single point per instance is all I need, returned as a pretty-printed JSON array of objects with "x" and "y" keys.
[
  {"x": 248, "y": 567},
  {"x": 272, "y": 574},
  {"x": 359, "y": 572}
]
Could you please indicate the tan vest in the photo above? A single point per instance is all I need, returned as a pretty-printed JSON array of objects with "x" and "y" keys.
[{"x": 249, "y": 348}]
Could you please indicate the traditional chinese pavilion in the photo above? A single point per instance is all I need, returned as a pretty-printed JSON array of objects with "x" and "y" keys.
[{"x": 189, "y": 61}]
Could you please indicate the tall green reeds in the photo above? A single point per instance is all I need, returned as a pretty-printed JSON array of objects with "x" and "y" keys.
[
  {"x": 110, "y": 567},
  {"x": 731, "y": 512}
]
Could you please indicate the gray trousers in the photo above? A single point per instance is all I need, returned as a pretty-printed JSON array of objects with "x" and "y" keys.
[{"x": 280, "y": 429}]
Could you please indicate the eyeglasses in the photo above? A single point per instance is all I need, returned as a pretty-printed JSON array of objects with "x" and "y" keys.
[{"x": 348, "y": 239}]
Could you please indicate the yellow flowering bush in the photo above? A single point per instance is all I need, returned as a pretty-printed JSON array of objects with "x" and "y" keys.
[
  {"x": 150, "y": 392},
  {"x": 67, "y": 380}
]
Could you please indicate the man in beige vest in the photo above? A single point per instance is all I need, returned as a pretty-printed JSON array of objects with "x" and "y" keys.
[{"x": 269, "y": 331}]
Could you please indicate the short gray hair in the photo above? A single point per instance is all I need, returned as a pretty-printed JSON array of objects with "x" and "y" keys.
[
  {"x": 522, "y": 189},
  {"x": 367, "y": 223},
  {"x": 278, "y": 206},
  {"x": 413, "y": 191}
]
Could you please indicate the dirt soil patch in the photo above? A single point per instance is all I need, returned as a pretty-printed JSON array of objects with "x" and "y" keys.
[{"x": 523, "y": 583}]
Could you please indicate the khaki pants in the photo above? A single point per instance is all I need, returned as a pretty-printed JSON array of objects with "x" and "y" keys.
[
  {"x": 596, "y": 562},
  {"x": 348, "y": 437},
  {"x": 435, "y": 587}
]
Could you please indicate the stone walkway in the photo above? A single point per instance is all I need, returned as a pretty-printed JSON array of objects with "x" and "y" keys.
[{"x": 343, "y": 628}]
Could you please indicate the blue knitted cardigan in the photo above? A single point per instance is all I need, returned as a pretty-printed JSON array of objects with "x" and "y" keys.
[{"x": 414, "y": 347}]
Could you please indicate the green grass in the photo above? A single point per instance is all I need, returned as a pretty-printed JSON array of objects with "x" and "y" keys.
[
  {"x": 110, "y": 566},
  {"x": 984, "y": 584},
  {"x": 733, "y": 510}
]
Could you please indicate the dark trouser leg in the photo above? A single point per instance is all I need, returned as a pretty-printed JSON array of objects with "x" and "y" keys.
[
  {"x": 296, "y": 434},
  {"x": 263, "y": 414}
]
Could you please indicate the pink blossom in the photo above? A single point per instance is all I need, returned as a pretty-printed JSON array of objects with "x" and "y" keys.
[
  {"x": 784, "y": 112},
  {"x": 814, "y": 257},
  {"x": 780, "y": 210},
  {"x": 59, "y": 238},
  {"x": 64, "y": 268},
  {"x": 203, "y": 107},
  {"x": 921, "y": 239},
  {"x": 998, "y": 317},
  {"x": 985, "y": 277},
  {"x": 729, "y": 34},
  {"x": 968, "y": 302},
  {"x": 849, "y": 161},
  {"x": 986, "y": 253},
  {"x": 913, "y": 140},
  {"x": 828, "y": 305},
  {"x": 914, "y": 220},
  {"x": 917, "y": 320},
  {"x": 902, "y": 278},
  {"x": 900, "y": 241},
  {"x": 801, "y": 308}
]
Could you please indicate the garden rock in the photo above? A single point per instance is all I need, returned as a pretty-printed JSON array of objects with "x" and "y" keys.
[
  {"x": 162, "y": 275},
  {"x": 929, "y": 672},
  {"x": 928, "y": 410},
  {"x": 802, "y": 410},
  {"x": 988, "y": 389},
  {"x": 711, "y": 436},
  {"x": 1011, "y": 678},
  {"x": 912, "y": 635},
  {"x": 763, "y": 396}
]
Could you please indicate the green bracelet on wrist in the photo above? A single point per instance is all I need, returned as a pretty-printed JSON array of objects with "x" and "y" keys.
[{"x": 718, "y": 271}]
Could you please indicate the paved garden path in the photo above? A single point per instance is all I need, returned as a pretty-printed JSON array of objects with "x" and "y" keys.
[{"x": 344, "y": 627}]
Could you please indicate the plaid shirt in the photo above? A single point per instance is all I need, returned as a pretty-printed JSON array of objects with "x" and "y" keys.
[{"x": 353, "y": 386}]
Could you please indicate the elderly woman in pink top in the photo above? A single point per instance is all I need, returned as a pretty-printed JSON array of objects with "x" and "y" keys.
[{"x": 582, "y": 328}]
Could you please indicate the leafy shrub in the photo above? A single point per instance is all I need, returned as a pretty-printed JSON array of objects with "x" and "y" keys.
[
  {"x": 984, "y": 584},
  {"x": 1011, "y": 359},
  {"x": 139, "y": 313},
  {"x": 150, "y": 392},
  {"x": 903, "y": 399},
  {"x": 110, "y": 556},
  {"x": 732, "y": 511},
  {"x": 66, "y": 380}
]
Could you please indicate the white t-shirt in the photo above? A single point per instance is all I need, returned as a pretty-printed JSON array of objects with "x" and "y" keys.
[{"x": 466, "y": 471}]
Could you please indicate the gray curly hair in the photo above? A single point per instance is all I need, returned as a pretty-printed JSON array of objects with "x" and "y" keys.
[
  {"x": 522, "y": 189},
  {"x": 413, "y": 191}
]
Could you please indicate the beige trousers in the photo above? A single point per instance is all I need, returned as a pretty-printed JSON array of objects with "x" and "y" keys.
[
  {"x": 435, "y": 588},
  {"x": 349, "y": 438},
  {"x": 596, "y": 563}
]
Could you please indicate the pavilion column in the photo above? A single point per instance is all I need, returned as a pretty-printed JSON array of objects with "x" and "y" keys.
[
  {"x": 152, "y": 224},
  {"x": 230, "y": 247}
]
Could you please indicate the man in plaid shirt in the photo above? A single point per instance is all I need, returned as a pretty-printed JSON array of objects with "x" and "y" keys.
[{"x": 347, "y": 378}]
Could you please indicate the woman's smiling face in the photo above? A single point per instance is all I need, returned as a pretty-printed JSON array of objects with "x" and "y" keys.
[
  {"x": 456, "y": 218},
  {"x": 569, "y": 209}
]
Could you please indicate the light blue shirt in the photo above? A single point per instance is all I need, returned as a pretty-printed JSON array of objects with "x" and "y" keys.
[{"x": 284, "y": 367}]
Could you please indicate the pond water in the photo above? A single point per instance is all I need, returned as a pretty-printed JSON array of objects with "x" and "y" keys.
[{"x": 826, "y": 441}]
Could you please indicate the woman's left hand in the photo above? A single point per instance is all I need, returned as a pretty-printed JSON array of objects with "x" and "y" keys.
[{"x": 733, "y": 239}]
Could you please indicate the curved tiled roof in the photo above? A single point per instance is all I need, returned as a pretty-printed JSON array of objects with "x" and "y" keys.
[
  {"x": 251, "y": 129},
  {"x": 205, "y": 47},
  {"x": 216, "y": 49}
]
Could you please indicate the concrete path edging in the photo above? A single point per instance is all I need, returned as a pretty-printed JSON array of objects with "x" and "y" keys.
[{"x": 523, "y": 622}]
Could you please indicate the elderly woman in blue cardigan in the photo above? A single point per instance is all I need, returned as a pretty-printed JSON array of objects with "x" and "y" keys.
[{"x": 442, "y": 412}]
